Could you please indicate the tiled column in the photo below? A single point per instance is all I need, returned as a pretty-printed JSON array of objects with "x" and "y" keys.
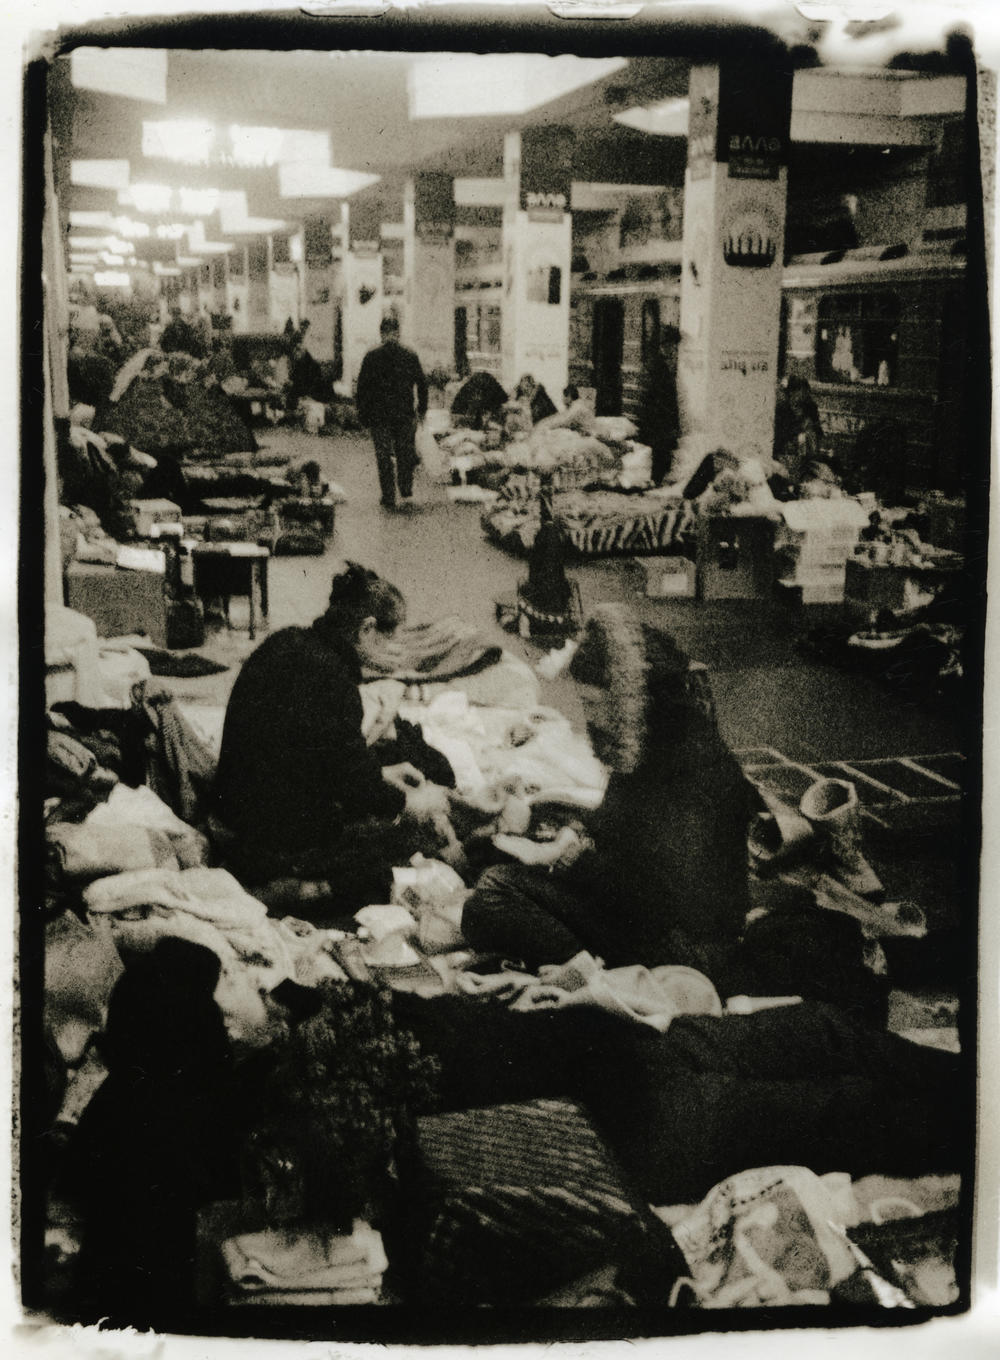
[
  {"x": 537, "y": 250},
  {"x": 362, "y": 289},
  {"x": 428, "y": 321},
  {"x": 734, "y": 229},
  {"x": 320, "y": 287}
]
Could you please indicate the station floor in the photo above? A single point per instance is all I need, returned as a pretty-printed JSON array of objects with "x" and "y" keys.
[{"x": 768, "y": 692}]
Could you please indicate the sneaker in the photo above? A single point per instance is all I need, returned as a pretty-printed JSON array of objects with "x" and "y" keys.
[{"x": 387, "y": 505}]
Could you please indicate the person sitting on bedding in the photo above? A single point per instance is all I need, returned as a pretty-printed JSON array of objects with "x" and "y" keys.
[
  {"x": 298, "y": 793},
  {"x": 661, "y": 874},
  {"x": 577, "y": 413}
]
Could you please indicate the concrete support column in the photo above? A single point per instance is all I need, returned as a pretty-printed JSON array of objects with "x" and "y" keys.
[
  {"x": 537, "y": 250},
  {"x": 258, "y": 285},
  {"x": 428, "y": 320},
  {"x": 363, "y": 299},
  {"x": 237, "y": 291},
  {"x": 734, "y": 231},
  {"x": 320, "y": 307}
]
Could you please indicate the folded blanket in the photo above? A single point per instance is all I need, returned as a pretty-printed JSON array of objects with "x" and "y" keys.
[
  {"x": 185, "y": 666},
  {"x": 295, "y": 1260},
  {"x": 87, "y": 851}
]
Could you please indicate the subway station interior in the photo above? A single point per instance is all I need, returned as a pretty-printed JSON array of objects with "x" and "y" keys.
[{"x": 503, "y": 537}]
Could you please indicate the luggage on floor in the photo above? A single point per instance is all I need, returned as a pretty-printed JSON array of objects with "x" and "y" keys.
[{"x": 515, "y": 1202}]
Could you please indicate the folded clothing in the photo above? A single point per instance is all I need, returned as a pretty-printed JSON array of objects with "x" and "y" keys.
[
  {"x": 86, "y": 851},
  {"x": 140, "y": 807},
  {"x": 301, "y": 1261}
]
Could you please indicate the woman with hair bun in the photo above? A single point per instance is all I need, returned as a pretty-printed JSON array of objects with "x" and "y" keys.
[{"x": 298, "y": 792}]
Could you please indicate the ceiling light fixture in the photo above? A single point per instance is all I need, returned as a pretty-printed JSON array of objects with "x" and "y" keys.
[
  {"x": 102, "y": 220},
  {"x": 198, "y": 202},
  {"x": 668, "y": 118},
  {"x": 110, "y": 278},
  {"x": 302, "y": 180},
  {"x": 188, "y": 140},
  {"x": 147, "y": 198}
]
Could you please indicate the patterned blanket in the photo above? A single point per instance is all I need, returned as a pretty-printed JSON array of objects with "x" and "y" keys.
[{"x": 597, "y": 523}]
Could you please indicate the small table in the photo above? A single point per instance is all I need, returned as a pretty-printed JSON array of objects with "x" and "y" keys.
[{"x": 229, "y": 569}]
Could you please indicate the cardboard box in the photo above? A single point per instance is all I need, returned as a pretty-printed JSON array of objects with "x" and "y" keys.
[
  {"x": 669, "y": 578},
  {"x": 120, "y": 602},
  {"x": 148, "y": 513},
  {"x": 735, "y": 558}
]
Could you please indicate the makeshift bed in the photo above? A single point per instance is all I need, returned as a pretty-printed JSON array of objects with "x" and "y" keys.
[{"x": 598, "y": 523}]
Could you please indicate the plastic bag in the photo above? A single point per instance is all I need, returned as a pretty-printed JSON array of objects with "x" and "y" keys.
[{"x": 430, "y": 453}]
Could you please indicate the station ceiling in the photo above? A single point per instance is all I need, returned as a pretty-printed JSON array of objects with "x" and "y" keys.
[{"x": 386, "y": 113}]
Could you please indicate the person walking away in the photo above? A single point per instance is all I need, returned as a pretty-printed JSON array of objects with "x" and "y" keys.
[
  {"x": 391, "y": 398},
  {"x": 659, "y": 410}
]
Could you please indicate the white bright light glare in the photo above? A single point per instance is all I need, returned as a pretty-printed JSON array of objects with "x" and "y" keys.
[
  {"x": 188, "y": 140},
  {"x": 102, "y": 220},
  {"x": 256, "y": 145},
  {"x": 669, "y": 118},
  {"x": 170, "y": 231},
  {"x": 462, "y": 84},
  {"x": 110, "y": 278},
  {"x": 130, "y": 228},
  {"x": 99, "y": 174},
  {"x": 147, "y": 198},
  {"x": 302, "y": 180},
  {"x": 198, "y": 201}
]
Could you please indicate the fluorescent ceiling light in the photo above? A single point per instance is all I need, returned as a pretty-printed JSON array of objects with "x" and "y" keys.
[
  {"x": 188, "y": 261},
  {"x": 130, "y": 228},
  {"x": 188, "y": 140},
  {"x": 84, "y": 257},
  {"x": 302, "y": 180},
  {"x": 96, "y": 174},
  {"x": 109, "y": 278},
  {"x": 102, "y": 220},
  {"x": 235, "y": 220},
  {"x": 108, "y": 257},
  {"x": 87, "y": 242},
  {"x": 147, "y": 198},
  {"x": 119, "y": 246},
  {"x": 461, "y": 84},
  {"x": 298, "y": 144},
  {"x": 170, "y": 231},
  {"x": 669, "y": 118},
  {"x": 165, "y": 271},
  {"x": 198, "y": 201},
  {"x": 195, "y": 141},
  {"x": 132, "y": 72},
  {"x": 260, "y": 226}
]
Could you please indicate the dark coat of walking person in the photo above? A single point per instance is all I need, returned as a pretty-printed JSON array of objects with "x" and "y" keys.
[
  {"x": 391, "y": 397},
  {"x": 659, "y": 409}
]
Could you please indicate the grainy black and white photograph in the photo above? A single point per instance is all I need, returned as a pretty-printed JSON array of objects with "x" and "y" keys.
[{"x": 501, "y": 582}]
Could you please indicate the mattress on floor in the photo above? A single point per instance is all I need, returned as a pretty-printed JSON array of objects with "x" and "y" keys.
[{"x": 597, "y": 523}]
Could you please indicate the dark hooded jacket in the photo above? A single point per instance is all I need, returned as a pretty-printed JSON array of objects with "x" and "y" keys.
[{"x": 294, "y": 767}]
